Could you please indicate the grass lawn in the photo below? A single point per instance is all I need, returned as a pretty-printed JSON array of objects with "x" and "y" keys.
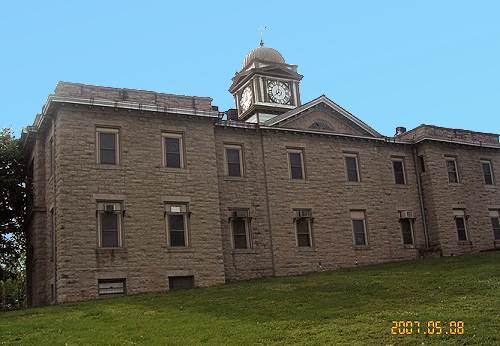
[{"x": 348, "y": 306}]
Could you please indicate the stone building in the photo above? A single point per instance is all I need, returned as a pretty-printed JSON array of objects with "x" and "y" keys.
[{"x": 137, "y": 191}]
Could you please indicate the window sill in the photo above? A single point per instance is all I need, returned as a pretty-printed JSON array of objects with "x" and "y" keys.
[
  {"x": 297, "y": 181},
  {"x": 228, "y": 178},
  {"x": 464, "y": 242},
  {"x": 174, "y": 170},
  {"x": 103, "y": 250},
  {"x": 361, "y": 247},
  {"x": 401, "y": 186},
  {"x": 490, "y": 187},
  {"x": 306, "y": 249},
  {"x": 408, "y": 247},
  {"x": 352, "y": 183},
  {"x": 99, "y": 166},
  {"x": 243, "y": 252},
  {"x": 179, "y": 249}
]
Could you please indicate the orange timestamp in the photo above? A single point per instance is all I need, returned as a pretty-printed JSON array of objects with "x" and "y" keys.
[{"x": 427, "y": 327}]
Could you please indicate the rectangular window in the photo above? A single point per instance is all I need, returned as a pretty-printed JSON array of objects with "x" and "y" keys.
[
  {"x": 108, "y": 146},
  {"x": 240, "y": 232},
  {"x": 421, "y": 163},
  {"x": 176, "y": 219},
  {"x": 407, "y": 231},
  {"x": 495, "y": 223},
  {"x": 233, "y": 160},
  {"x": 398, "y": 168},
  {"x": 487, "y": 172},
  {"x": 359, "y": 227},
  {"x": 451, "y": 166},
  {"x": 173, "y": 150},
  {"x": 51, "y": 156},
  {"x": 303, "y": 227},
  {"x": 352, "y": 169},
  {"x": 296, "y": 162},
  {"x": 180, "y": 282},
  {"x": 111, "y": 286},
  {"x": 460, "y": 224},
  {"x": 109, "y": 219}
]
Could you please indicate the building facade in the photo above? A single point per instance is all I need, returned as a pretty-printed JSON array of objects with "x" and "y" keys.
[{"x": 137, "y": 191}]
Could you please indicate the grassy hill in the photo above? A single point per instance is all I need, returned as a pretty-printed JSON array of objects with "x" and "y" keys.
[{"x": 348, "y": 306}]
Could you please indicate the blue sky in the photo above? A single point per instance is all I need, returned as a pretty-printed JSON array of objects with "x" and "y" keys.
[{"x": 391, "y": 63}]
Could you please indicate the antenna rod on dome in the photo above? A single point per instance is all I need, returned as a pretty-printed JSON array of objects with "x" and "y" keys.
[{"x": 262, "y": 36}]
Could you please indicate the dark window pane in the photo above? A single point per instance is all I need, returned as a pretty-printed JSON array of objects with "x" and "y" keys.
[
  {"x": 109, "y": 229},
  {"x": 303, "y": 240},
  {"x": 239, "y": 226},
  {"x": 295, "y": 159},
  {"x": 399, "y": 174},
  {"x": 173, "y": 152},
  {"x": 303, "y": 235},
  {"x": 180, "y": 282},
  {"x": 422, "y": 164},
  {"x": 172, "y": 145},
  {"x": 107, "y": 140},
  {"x": 233, "y": 162},
  {"x": 488, "y": 176},
  {"x": 233, "y": 155},
  {"x": 173, "y": 160},
  {"x": 176, "y": 222},
  {"x": 352, "y": 169},
  {"x": 240, "y": 241},
  {"x": 234, "y": 169},
  {"x": 407, "y": 231},
  {"x": 177, "y": 238},
  {"x": 452, "y": 171},
  {"x": 460, "y": 223},
  {"x": 239, "y": 233},
  {"x": 359, "y": 232},
  {"x": 296, "y": 172},
  {"x": 495, "y": 222}
]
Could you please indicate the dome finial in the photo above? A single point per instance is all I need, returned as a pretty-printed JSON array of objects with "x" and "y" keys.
[{"x": 262, "y": 36}]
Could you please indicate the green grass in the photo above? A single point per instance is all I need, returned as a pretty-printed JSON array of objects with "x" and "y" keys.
[{"x": 348, "y": 306}]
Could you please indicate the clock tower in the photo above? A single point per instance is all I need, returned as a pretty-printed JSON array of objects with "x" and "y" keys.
[{"x": 265, "y": 86}]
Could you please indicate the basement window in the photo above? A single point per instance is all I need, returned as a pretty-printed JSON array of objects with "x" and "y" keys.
[
  {"x": 111, "y": 287},
  {"x": 180, "y": 282}
]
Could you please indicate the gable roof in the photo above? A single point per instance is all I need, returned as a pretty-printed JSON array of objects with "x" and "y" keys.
[{"x": 326, "y": 101}]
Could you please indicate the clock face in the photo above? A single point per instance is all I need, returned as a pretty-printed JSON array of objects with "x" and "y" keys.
[
  {"x": 278, "y": 91},
  {"x": 246, "y": 99}
]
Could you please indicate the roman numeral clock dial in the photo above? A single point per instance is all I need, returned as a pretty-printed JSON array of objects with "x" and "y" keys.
[{"x": 279, "y": 92}]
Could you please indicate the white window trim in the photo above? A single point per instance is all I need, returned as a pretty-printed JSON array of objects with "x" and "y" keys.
[
  {"x": 226, "y": 168},
  {"x": 176, "y": 135},
  {"x": 491, "y": 171},
  {"x": 402, "y": 160},
  {"x": 357, "y": 215},
  {"x": 117, "y": 144},
  {"x": 247, "y": 233},
  {"x": 447, "y": 158},
  {"x": 355, "y": 157},
  {"x": 298, "y": 151},
  {"x": 309, "y": 228},
  {"x": 119, "y": 224},
  {"x": 186, "y": 223}
]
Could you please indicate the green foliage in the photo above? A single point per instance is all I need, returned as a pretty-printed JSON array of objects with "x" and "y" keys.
[
  {"x": 12, "y": 215},
  {"x": 353, "y": 306}
]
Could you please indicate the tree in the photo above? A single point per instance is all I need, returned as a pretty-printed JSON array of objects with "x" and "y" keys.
[{"x": 12, "y": 207}]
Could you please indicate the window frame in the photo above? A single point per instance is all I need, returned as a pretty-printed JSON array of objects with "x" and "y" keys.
[
  {"x": 100, "y": 211},
  {"x": 238, "y": 147},
  {"x": 412, "y": 233},
  {"x": 246, "y": 221},
  {"x": 402, "y": 160},
  {"x": 357, "y": 218},
  {"x": 455, "y": 163},
  {"x": 460, "y": 214},
  {"x": 356, "y": 160},
  {"x": 309, "y": 228},
  {"x": 116, "y": 132},
  {"x": 109, "y": 281},
  {"x": 492, "y": 175},
  {"x": 180, "y": 137},
  {"x": 186, "y": 215},
  {"x": 296, "y": 151},
  {"x": 495, "y": 214}
]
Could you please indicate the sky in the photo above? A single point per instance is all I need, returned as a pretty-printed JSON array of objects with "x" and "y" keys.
[{"x": 390, "y": 63}]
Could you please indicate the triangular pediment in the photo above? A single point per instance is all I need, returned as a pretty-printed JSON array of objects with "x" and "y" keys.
[{"x": 322, "y": 114}]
